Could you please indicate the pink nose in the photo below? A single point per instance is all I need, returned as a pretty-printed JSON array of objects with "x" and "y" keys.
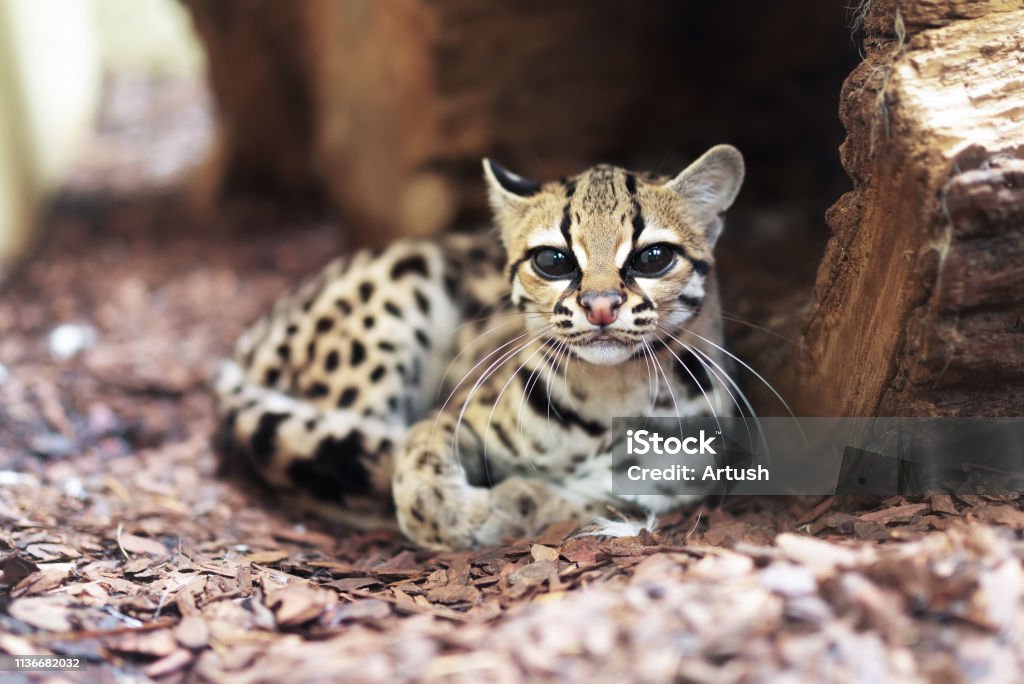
[{"x": 602, "y": 307}]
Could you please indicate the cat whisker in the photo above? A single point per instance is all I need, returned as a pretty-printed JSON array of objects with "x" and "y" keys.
[
  {"x": 671, "y": 392},
  {"x": 483, "y": 378},
  {"x": 734, "y": 319},
  {"x": 724, "y": 379},
  {"x": 743, "y": 363},
  {"x": 528, "y": 387},
  {"x": 551, "y": 381},
  {"x": 707, "y": 398},
  {"x": 490, "y": 416},
  {"x": 468, "y": 347}
]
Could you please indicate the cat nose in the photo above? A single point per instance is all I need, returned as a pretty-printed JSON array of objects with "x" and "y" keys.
[{"x": 602, "y": 307}]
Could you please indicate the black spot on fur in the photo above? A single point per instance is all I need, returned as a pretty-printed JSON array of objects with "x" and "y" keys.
[
  {"x": 692, "y": 302},
  {"x": 386, "y": 346},
  {"x": 422, "y": 302},
  {"x": 377, "y": 373},
  {"x": 537, "y": 398},
  {"x": 358, "y": 353},
  {"x": 451, "y": 286},
  {"x": 700, "y": 266},
  {"x": 697, "y": 377},
  {"x": 291, "y": 329},
  {"x": 311, "y": 351},
  {"x": 317, "y": 390},
  {"x": 324, "y": 324},
  {"x": 271, "y": 376},
  {"x": 335, "y": 470},
  {"x": 348, "y": 397},
  {"x": 422, "y": 338},
  {"x": 645, "y": 305},
  {"x": 503, "y": 437},
  {"x": 562, "y": 310},
  {"x": 343, "y": 306},
  {"x": 392, "y": 404},
  {"x": 410, "y": 264},
  {"x": 366, "y": 291},
  {"x": 332, "y": 360},
  {"x": 284, "y": 351},
  {"x": 368, "y": 322},
  {"x": 264, "y": 440},
  {"x": 477, "y": 254},
  {"x": 526, "y": 505},
  {"x": 427, "y": 459},
  {"x": 393, "y": 309}
]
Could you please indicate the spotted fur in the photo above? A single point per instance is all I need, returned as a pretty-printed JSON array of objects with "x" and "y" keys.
[{"x": 457, "y": 387}]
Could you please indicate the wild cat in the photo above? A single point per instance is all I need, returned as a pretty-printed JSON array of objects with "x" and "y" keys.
[{"x": 466, "y": 385}]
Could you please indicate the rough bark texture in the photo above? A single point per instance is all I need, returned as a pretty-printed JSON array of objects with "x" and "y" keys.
[{"x": 919, "y": 300}]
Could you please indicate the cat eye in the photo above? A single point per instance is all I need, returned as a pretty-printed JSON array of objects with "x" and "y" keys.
[
  {"x": 554, "y": 263},
  {"x": 653, "y": 261}
]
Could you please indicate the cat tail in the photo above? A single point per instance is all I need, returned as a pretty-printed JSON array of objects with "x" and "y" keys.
[{"x": 334, "y": 463}]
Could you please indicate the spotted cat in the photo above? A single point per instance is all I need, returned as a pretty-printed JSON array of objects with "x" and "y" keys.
[{"x": 465, "y": 386}]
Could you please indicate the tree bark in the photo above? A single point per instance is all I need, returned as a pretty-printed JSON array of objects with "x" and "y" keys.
[{"x": 918, "y": 308}]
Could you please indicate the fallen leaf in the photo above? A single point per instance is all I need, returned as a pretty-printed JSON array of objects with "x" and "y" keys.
[
  {"x": 132, "y": 543},
  {"x": 15, "y": 568}
]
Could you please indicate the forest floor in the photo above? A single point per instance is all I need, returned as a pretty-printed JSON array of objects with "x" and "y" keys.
[{"x": 121, "y": 545}]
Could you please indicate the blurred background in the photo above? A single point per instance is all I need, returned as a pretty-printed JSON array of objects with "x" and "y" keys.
[
  {"x": 376, "y": 114},
  {"x": 87, "y": 86}
]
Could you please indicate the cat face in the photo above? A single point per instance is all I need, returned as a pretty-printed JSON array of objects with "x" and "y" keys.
[{"x": 608, "y": 260}]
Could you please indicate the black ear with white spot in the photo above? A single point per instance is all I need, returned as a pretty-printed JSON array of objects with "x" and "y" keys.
[
  {"x": 710, "y": 185},
  {"x": 506, "y": 189}
]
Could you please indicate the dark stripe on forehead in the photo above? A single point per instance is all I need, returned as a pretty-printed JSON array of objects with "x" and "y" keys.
[
  {"x": 630, "y": 184},
  {"x": 638, "y": 214},
  {"x": 565, "y": 225},
  {"x": 570, "y": 190},
  {"x": 638, "y": 221}
]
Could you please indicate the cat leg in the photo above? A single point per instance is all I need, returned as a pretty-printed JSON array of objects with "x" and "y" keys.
[{"x": 440, "y": 504}]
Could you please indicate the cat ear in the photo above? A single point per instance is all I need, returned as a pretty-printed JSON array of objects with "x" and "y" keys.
[
  {"x": 710, "y": 185},
  {"x": 506, "y": 189}
]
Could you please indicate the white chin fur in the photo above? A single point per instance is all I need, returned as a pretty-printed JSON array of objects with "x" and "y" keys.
[{"x": 605, "y": 353}]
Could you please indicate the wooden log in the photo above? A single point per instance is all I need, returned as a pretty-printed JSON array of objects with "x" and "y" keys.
[{"x": 918, "y": 307}]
